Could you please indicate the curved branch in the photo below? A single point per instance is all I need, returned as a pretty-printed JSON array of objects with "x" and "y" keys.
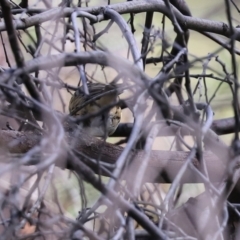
[
  {"x": 127, "y": 34},
  {"x": 73, "y": 59}
]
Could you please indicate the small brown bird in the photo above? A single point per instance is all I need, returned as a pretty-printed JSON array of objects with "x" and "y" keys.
[{"x": 100, "y": 96}]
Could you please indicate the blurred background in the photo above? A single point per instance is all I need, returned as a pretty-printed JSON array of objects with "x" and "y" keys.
[{"x": 199, "y": 47}]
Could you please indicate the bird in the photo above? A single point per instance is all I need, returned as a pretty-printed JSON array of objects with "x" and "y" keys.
[{"x": 100, "y": 95}]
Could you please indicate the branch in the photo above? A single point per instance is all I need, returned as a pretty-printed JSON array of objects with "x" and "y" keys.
[
  {"x": 73, "y": 59},
  {"x": 163, "y": 165},
  {"x": 191, "y": 23}
]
